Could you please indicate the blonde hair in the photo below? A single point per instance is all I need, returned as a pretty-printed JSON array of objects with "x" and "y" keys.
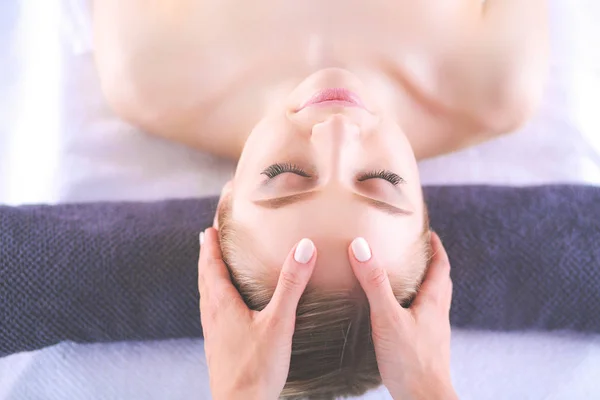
[{"x": 332, "y": 348}]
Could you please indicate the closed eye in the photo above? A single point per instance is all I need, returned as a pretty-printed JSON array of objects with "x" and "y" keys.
[
  {"x": 281, "y": 168},
  {"x": 389, "y": 176}
]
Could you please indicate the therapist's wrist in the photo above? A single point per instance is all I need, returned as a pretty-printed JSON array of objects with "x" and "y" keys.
[
  {"x": 241, "y": 395},
  {"x": 248, "y": 392},
  {"x": 427, "y": 389}
]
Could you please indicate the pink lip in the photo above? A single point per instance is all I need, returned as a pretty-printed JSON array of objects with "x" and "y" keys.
[{"x": 334, "y": 96}]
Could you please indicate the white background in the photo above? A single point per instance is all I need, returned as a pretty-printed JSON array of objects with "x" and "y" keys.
[{"x": 59, "y": 142}]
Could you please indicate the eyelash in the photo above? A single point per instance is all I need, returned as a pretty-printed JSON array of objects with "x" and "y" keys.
[
  {"x": 282, "y": 168},
  {"x": 391, "y": 177}
]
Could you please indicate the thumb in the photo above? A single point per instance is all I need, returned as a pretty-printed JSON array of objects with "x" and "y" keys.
[{"x": 295, "y": 274}]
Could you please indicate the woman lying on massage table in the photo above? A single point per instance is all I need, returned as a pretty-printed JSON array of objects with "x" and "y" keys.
[{"x": 328, "y": 106}]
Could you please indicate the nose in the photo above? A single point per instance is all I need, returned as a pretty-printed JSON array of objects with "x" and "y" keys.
[
  {"x": 335, "y": 141},
  {"x": 336, "y": 130}
]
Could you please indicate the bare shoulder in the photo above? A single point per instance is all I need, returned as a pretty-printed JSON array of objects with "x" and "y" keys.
[
  {"x": 485, "y": 81},
  {"x": 139, "y": 53},
  {"x": 156, "y": 72}
]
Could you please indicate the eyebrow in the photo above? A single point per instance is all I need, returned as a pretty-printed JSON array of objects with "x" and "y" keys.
[{"x": 280, "y": 202}]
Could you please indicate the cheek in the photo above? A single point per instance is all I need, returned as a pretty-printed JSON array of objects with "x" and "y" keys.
[
  {"x": 250, "y": 162},
  {"x": 264, "y": 146},
  {"x": 390, "y": 145},
  {"x": 395, "y": 150}
]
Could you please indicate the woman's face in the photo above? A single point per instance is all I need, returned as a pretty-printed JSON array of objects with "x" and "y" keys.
[{"x": 331, "y": 172}]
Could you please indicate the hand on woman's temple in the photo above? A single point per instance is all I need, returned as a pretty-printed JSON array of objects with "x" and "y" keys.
[
  {"x": 248, "y": 352},
  {"x": 412, "y": 345}
]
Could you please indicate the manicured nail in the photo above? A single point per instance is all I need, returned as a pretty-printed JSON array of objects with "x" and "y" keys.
[
  {"x": 201, "y": 238},
  {"x": 304, "y": 251},
  {"x": 361, "y": 249}
]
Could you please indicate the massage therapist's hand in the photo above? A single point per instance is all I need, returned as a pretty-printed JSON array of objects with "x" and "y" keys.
[
  {"x": 248, "y": 352},
  {"x": 412, "y": 345}
]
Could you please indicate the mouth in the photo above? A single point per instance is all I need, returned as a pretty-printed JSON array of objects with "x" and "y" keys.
[{"x": 334, "y": 96}]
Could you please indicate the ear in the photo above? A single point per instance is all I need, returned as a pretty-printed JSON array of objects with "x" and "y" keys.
[{"x": 225, "y": 193}]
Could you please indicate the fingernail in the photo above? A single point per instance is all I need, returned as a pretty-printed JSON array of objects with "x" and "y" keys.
[
  {"x": 304, "y": 251},
  {"x": 361, "y": 249},
  {"x": 201, "y": 238}
]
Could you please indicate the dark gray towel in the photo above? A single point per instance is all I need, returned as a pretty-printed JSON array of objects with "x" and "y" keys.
[{"x": 522, "y": 258}]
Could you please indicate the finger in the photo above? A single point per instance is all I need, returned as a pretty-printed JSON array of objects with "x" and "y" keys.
[
  {"x": 214, "y": 281},
  {"x": 373, "y": 278},
  {"x": 295, "y": 274},
  {"x": 436, "y": 289}
]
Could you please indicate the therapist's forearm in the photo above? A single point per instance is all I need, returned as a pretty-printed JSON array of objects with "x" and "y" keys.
[{"x": 241, "y": 395}]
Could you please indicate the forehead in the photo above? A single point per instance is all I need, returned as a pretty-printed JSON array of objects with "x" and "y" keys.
[{"x": 331, "y": 225}]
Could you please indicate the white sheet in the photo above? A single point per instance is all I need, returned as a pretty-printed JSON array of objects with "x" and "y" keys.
[{"x": 73, "y": 149}]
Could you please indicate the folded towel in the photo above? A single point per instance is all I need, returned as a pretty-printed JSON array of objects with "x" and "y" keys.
[{"x": 522, "y": 259}]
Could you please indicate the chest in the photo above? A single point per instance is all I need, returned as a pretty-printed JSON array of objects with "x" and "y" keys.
[
  {"x": 231, "y": 36},
  {"x": 219, "y": 58}
]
